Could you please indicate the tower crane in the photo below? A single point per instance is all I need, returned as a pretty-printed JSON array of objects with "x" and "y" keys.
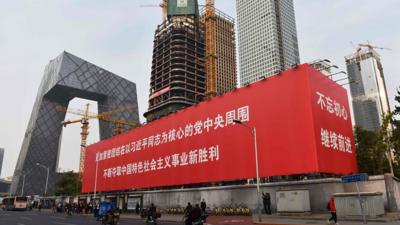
[
  {"x": 211, "y": 49},
  {"x": 84, "y": 120},
  {"x": 163, "y": 5}
]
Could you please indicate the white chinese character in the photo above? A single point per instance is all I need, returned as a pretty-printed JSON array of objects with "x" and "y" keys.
[
  {"x": 144, "y": 143},
  {"x": 114, "y": 171},
  {"x": 180, "y": 133},
  {"x": 207, "y": 124},
  {"x": 129, "y": 169},
  {"x": 138, "y": 145},
  {"x": 321, "y": 101},
  {"x": 108, "y": 154},
  {"x": 123, "y": 170},
  {"x": 146, "y": 165},
  {"x": 113, "y": 153},
  {"x": 105, "y": 173},
  {"x": 118, "y": 171},
  {"x": 134, "y": 168},
  {"x": 342, "y": 147},
  {"x": 184, "y": 159},
  {"x": 348, "y": 145},
  {"x": 198, "y": 126},
  {"x": 203, "y": 155},
  {"x": 160, "y": 163},
  {"x": 344, "y": 113},
  {"x": 122, "y": 152},
  {"x": 109, "y": 173},
  {"x": 336, "y": 107},
  {"x": 333, "y": 141},
  {"x": 157, "y": 139},
  {"x": 325, "y": 138},
  {"x": 133, "y": 146},
  {"x": 164, "y": 137},
  {"x": 218, "y": 122},
  {"x": 193, "y": 157},
  {"x": 118, "y": 151},
  {"x": 153, "y": 165},
  {"x": 140, "y": 167},
  {"x": 329, "y": 105},
  {"x": 167, "y": 160},
  {"x": 127, "y": 149},
  {"x": 213, "y": 153},
  {"x": 243, "y": 113},
  {"x": 171, "y": 135},
  {"x": 175, "y": 160},
  {"x": 188, "y": 130},
  {"x": 150, "y": 141},
  {"x": 230, "y": 117}
]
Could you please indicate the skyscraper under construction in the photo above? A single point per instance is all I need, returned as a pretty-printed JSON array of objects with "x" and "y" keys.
[
  {"x": 177, "y": 73},
  {"x": 178, "y": 76}
]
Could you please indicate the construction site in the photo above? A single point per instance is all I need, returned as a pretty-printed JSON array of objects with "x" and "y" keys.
[{"x": 193, "y": 57}]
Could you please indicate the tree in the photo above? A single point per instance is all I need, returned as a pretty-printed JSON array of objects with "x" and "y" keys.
[
  {"x": 395, "y": 139},
  {"x": 69, "y": 184},
  {"x": 371, "y": 156}
]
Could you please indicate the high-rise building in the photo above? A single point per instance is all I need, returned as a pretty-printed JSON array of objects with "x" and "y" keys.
[
  {"x": 177, "y": 72},
  {"x": 369, "y": 95},
  {"x": 66, "y": 77},
  {"x": 267, "y": 38},
  {"x": 226, "y": 52},
  {"x": 1, "y": 159}
]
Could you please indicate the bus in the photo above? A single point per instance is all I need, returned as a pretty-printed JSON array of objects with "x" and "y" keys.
[{"x": 15, "y": 203}]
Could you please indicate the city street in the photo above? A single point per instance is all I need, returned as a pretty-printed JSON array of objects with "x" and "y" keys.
[{"x": 48, "y": 218}]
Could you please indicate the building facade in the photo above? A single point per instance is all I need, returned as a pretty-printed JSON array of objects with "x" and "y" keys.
[
  {"x": 65, "y": 78},
  {"x": 368, "y": 91},
  {"x": 267, "y": 38},
  {"x": 226, "y": 52},
  {"x": 177, "y": 73},
  {"x": 1, "y": 159}
]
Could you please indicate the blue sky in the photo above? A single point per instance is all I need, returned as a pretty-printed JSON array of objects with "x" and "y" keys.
[{"x": 118, "y": 36}]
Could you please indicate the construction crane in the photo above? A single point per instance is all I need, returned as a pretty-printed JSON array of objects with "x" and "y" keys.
[
  {"x": 84, "y": 120},
  {"x": 211, "y": 50},
  {"x": 163, "y": 5}
]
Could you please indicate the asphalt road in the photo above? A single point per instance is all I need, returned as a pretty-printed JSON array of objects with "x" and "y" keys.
[{"x": 48, "y": 218}]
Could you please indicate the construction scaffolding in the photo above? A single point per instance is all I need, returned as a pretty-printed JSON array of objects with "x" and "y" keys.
[{"x": 177, "y": 73}]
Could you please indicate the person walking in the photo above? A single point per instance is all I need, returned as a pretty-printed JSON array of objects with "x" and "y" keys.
[
  {"x": 266, "y": 197},
  {"x": 137, "y": 209},
  {"x": 203, "y": 206},
  {"x": 332, "y": 209}
]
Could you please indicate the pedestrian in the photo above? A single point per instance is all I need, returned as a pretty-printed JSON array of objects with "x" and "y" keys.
[
  {"x": 332, "y": 209},
  {"x": 188, "y": 214},
  {"x": 266, "y": 197},
  {"x": 203, "y": 206},
  {"x": 39, "y": 206},
  {"x": 137, "y": 209}
]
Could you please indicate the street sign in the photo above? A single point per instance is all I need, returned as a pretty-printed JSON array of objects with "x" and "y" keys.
[{"x": 355, "y": 178}]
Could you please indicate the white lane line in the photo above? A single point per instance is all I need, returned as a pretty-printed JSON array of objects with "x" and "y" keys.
[{"x": 20, "y": 224}]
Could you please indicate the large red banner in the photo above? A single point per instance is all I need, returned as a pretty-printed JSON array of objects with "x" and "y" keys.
[{"x": 302, "y": 122}]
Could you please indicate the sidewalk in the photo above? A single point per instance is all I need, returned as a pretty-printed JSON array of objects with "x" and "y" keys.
[{"x": 317, "y": 219}]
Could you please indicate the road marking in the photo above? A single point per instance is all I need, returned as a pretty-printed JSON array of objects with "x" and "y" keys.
[{"x": 20, "y": 224}]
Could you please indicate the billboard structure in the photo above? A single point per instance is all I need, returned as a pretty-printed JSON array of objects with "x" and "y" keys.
[{"x": 303, "y": 126}]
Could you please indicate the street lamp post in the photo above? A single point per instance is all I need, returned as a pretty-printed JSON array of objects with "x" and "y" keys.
[
  {"x": 47, "y": 176},
  {"x": 95, "y": 182},
  {"x": 254, "y": 133},
  {"x": 23, "y": 181}
]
